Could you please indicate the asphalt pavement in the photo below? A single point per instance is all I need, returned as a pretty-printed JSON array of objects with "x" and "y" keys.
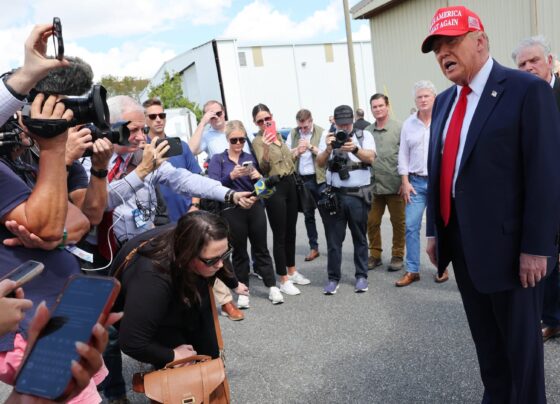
[{"x": 388, "y": 345}]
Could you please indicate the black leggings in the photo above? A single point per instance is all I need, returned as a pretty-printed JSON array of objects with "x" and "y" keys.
[
  {"x": 282, "y": 211},
  {"x": 251, "y": 224}
]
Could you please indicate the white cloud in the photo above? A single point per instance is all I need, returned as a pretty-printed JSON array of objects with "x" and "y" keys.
[
  {"x": 130, "y": 59},
  {"x": 259, "y": 21},
  {"x": 362, "y": 34}
]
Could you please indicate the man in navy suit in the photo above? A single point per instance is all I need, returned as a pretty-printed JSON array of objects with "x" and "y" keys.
[{"x": 493, "y": 198}]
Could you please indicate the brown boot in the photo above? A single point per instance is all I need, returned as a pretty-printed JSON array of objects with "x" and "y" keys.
[
  {"x": 373, "y": 263},
  {"x": 407, "y": 279},
  {"x": 232, "y": 312},
  {"x": 396, "y": 264},
  {"x": 312, "y": 255}
]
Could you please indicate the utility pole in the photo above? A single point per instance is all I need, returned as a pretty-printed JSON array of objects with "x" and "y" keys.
[{"x": 350, "y": 55}]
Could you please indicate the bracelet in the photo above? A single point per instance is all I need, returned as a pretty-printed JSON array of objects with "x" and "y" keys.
[
  {"x": 62, "y": 244},
  {"x": 98, "y": 173}
]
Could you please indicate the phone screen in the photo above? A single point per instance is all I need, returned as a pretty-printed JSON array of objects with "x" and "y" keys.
[{"x": 46, "y": 371}]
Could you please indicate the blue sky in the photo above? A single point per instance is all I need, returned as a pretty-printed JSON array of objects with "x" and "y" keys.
[{"x": 135, "y": 37}]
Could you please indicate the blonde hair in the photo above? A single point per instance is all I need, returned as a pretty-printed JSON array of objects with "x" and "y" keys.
[{"x": 234, "y": 125}]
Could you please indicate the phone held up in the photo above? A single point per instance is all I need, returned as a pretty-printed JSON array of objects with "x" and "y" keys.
[
  {"x": 270, "y": 131},
  {"x": 57, "y": 39},
  {"x": 175, "y": 147},
  {"x": 84, "y": 301},
  {"x": 23, "y": 274}
]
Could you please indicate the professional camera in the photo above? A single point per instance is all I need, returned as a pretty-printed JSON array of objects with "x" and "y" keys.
[
  {"x": 339, "y": 164},
  {"x": 328, "y": 202},
  {"x": 340, "y": 138},
  {"x": 92, "y": 108},
  {"x": 10, "y": 136},
  {"x": 117, "y": 134}
]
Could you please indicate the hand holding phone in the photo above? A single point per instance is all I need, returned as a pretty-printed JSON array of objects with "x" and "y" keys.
[
  {"x": 23, "y": 274},
  {"x": 175, "y": 146},
  {"x": 47, "y": 371},
  {"x": 58, "y": 42},
  {"x": 248, "y": 164}
]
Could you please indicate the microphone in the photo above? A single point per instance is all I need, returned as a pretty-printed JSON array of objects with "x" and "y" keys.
[
  {"x": 75, "y": 79},
  {"x": 265, "y": 187}
]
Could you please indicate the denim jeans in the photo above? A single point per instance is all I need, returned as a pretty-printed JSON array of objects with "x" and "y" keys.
[
  {"x": 114, "y": 386},
  {"x": 413, "y": 213},
  {"x": 353, "y": 212},
  {"x": 311, "y": 184}
]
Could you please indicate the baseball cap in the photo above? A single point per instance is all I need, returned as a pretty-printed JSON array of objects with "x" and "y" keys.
[
  {"x": 343, "y": 115},
  {"x": 451, "y": 21}
]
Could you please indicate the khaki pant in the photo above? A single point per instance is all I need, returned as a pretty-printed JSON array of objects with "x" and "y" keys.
[
  {"x": 222, "y": 293},
  {"x": 396, "y": 206}
]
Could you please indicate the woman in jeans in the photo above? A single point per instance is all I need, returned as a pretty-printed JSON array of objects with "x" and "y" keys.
[
  {"x": 275, "y": 158},
  {"x": 231, "y": 169}
]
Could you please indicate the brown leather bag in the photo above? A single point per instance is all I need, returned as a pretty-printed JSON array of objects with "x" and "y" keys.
[{"x": 203, "y": 381}]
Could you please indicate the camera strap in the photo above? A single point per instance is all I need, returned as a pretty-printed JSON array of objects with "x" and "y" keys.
[{"x": 45, "y": 127}]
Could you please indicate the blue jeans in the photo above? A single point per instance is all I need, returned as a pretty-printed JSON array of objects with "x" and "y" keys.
[
  {"x": 354, "y": 212},
  {"x": 413, "y": 213},
  {"x": 311, "y": 184}
]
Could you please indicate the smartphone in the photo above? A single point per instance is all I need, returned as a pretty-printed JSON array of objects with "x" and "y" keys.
[
  {"x": 57, "y": 39},
  {"x": 84, "y": 301},
  {"x": 175, "y": 146},
  {"x": 23, "y": 274},
  {"x": 270, "y": 130},
  {"x": 247, "y": 164}
]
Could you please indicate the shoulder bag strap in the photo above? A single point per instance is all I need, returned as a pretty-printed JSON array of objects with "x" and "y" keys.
[
  {"x": 127, "y": 260},
  {"x": 216, "y": 322}
]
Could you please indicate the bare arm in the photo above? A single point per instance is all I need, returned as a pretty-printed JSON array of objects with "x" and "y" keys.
[{"x": 196, "y": 138}]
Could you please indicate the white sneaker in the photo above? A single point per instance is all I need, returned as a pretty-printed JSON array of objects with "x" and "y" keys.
[
  {"x": 243, "y": 302},
  {"x": 299, "y": 279},
  {"x": 288, "y": 288},
  {"x": 275, "y": 296}
]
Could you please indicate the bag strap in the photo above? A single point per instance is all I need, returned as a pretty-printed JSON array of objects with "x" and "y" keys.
[
  {"x": 216, "y": 323},
  {"x": 193, "y": 358},
  {"x": 128, "y": 258}
]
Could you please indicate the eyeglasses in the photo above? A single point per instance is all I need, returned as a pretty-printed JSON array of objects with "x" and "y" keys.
[
  {"x": 210, "y": 262},
  {"x": 235, "y": 140},
  {"x": 265, "y": 119},
  {"x": 161, "y": 115}
]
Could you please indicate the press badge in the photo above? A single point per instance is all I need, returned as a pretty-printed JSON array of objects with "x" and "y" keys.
[
  {"x": 139, "y": 220},
  {"x": 78, "y": 252}
]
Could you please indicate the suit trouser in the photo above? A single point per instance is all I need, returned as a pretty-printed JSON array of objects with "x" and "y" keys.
[
  {"x": 505, "y": 327},
  {"x": 396, "y": 207},
  {"x": 551, "y": 302}
]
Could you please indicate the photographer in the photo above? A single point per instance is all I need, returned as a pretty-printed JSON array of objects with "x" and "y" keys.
[{"x": 347, "y": 156}]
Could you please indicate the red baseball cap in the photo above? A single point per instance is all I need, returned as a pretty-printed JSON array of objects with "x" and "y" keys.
[{"x": 451, "y": 21}]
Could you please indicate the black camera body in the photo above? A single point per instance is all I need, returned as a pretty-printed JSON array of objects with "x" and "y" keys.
[
  {"x": 328, "y": 202},
  {"x": 118, "y": 133},
  {"x": 339, "y": 164},
  {"x": 340, "y": 138}
]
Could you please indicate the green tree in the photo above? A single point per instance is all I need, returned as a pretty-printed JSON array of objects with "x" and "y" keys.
[
  {"x": 128, "y": 85},
  {"x": 171, "y": 94}
]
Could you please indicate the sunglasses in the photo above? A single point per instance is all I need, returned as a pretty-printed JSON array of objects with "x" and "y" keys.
[
  {"x": 218, "y": 114},
  {"x": 210, "y": 262},
  {"x": 235, "y": 140},
  {"x": 266, "y": 119},
  {"x": 161, "y": 115}
]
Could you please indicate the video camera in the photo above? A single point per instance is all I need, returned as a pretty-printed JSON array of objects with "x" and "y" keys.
[{"x": 118, "y": 133}]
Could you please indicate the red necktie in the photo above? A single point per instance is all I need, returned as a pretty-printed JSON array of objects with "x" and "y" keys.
[
  {"x": 450, "y": 149},
  {"x": 107, "y": 221}
]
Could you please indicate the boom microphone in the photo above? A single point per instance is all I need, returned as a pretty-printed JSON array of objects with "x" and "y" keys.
[
  {"x": 265, "y": 187},
  {"x": 75, "y": 79}
]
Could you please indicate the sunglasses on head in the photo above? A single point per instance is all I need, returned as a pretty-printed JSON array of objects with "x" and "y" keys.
[
  {"x": 210, "y": 262},
  {"x": 218, "y": 114},
  {"x": 235, "y": 140},
  {"x": 161, "y": 115},
  {"x": 265, "y": 119}
]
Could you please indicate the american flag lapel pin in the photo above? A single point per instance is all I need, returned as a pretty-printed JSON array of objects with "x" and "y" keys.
[{"x": 494, "y": 93}]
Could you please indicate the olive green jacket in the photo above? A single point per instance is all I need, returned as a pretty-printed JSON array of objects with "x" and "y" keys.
[{"x": 385, "y": 177}]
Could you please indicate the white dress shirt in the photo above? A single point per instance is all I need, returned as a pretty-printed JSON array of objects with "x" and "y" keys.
[
  {"x": 413, "y": 149},
  {"x": 477, "y": 86},
  {"x": 306, "y": 166}
]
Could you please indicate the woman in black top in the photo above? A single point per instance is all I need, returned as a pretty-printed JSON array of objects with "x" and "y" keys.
[{"x": 165, "y": 289}]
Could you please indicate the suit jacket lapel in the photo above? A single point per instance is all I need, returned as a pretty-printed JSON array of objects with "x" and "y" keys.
[
  {"x": 438, "y": 128},
  {"x": 490, "y": 95}
]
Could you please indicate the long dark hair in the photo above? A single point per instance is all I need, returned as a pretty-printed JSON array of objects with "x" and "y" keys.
[
  {"x": 258, "y": 108},
  {"x": 172, "y": 252}
]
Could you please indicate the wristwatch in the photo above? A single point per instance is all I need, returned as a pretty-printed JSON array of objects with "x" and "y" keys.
[
  {"x": 98, "y": 173},
  {"x": 355, "y": 150}
]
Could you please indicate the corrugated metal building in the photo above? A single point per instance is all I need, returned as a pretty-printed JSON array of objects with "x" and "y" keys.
[
  {"x": 398, "y": 28},
  {"x": 286, "y": 77}
]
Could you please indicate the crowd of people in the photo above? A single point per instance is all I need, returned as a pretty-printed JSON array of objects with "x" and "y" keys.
[{"x": 79, "y": 203}]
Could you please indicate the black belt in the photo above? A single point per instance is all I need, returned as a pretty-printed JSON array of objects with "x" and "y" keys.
[
  {"x": 308, "y": 177},
  {"x": 417, "y": 175},
  {"x": 348, "y": 190}
]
